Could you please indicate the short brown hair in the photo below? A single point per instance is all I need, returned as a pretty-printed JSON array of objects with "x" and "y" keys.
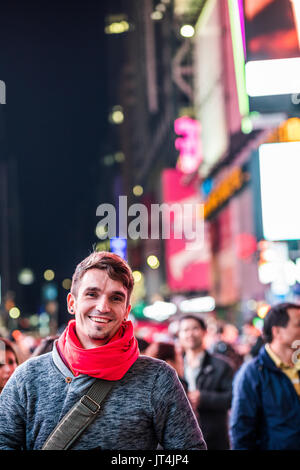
[
  {"x": 277, "y": 316},
  {"x": 116, "y": 267}
]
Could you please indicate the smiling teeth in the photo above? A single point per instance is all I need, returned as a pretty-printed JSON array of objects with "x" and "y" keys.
[{"x": 99, "y": 320}]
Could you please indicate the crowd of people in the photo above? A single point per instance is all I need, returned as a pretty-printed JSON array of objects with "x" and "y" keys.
[{"x": 208, "y": 387}]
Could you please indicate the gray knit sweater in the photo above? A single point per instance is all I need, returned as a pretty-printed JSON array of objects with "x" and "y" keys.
[{"x": 147, "y": 407}]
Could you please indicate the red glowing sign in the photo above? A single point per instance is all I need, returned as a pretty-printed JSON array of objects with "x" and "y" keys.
[{"x": 188, "y": 144}]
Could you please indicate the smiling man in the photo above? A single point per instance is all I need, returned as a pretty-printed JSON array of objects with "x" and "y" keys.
[{"x": 146, "y": 406}]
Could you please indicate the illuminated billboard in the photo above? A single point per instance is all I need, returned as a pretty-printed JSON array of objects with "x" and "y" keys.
[
  {"x": 186, "y": 269},
  {"x": 273, "y": 47},
  {"x": 279, "y": 165}
]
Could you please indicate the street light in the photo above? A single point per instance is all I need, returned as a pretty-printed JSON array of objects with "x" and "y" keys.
[{"x": 187, "y": 31}]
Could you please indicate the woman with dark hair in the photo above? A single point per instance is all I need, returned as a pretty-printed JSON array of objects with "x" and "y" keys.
[{"x": 8, "y": 361}]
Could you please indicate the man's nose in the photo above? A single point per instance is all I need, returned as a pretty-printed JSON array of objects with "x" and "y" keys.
[{"x": 103, "y": 304}]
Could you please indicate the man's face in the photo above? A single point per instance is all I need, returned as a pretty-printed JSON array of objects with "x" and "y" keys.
[
  {"x": 289, "y": 334},
  {"x": 100, "y": 308},
  {"x": 190, "y": 334},
  {"x": 8, "y": 368}
]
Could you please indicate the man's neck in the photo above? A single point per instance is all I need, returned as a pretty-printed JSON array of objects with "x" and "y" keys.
[
  {"x": 192, "y": 356},
  {"x": 284, "y": 353}
]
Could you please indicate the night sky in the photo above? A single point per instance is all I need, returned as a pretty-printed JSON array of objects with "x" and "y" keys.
[{"x": 53, "y": 60}]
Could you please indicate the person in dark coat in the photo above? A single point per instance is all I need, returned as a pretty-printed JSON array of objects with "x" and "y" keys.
[
  {"x": 209, "y": 380},
  {"x": 265, "y": 412}
]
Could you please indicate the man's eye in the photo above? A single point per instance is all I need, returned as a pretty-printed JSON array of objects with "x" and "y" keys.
[
  {"x": 117, "y": 299},
  {"x": 91, "y": 294}
]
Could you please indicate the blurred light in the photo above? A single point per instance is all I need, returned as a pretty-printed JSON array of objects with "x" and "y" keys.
[
  {"x": 156, "y": 15},
  {"x": 118, "y": 246},
  {"x": 266, "y": 272},
  {"x": 290, "y": 272},
  {"x": 187, "y": 31},
  {"x": 262, "y": 310},
  {"x": 138, "y": 190},
  {"x": 117, "y": 27},
  {"x": 26, "y": 277},
  {"x": 117, "y": 116},
  {"x": 67, "y": 284},
  {"x": 49, "y": 292},
  {"x": 297, "y": 262},
  {"x": 49, "y": 275},
  {"x": 159, "y": 310},
  {"x": 34, "y": 320},
  {"x": 246, "y": 125},
  {"x": 161, "y": 7},
  {"x": 44, "y": 318},
  {"x": 103, "y": 246},
  {"x": 108, "y": 160},
  {"x": 207, "y": 187},
  {"x": 17, "y": 335},
  {"x": 273, "y": 77},
  {"x": 246, "y": 245},
  {"x": 188, "y": 143},
  {"x": 137, "y": 276},
  {"x": 252, "y": 304},
  {"x": 101, "y": 231},
  {"x": 153, "y": 262},
  {"x": 119, "y": 157},
  {"x": 199, "y": 304},
  {"x": 237, "y": 39},
  {"x": 14, "y": 312},
  {"x": 44, "y": 330},
  {"x": 258, "y": 323},
  {"x": 296, "y": 10},
  {"x": 279, "y": 165}
]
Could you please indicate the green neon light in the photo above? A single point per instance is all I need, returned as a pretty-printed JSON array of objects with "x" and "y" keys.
[{"x": 238, "y": 56}]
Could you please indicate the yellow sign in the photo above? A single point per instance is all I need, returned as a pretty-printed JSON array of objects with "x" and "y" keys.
[
  {"x": 289, "y": 131},
  {"x": 225, "y": 190}
]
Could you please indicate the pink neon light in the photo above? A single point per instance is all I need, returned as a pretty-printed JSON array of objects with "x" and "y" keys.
[{"x": 188, "y": 144}]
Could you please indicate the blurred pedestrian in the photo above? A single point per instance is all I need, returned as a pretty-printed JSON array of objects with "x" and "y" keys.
[
  {"x": 8, "y": 361},
  {"x": 146, "y": 403},
  {"x": 46, "y": 345},
  {"x": 143, "y": 344},
  {"x": 209, "y": 380},
  {"x": 169, "y": 353},
  {"x": 224, "y": 349},
  {"x": 265, "y": 411}
]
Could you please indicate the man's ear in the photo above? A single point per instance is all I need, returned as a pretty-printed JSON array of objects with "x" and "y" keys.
[
  {"x": 276, "y": 330},
  {"x": 71, "y": 303},
  {"x": 127, "y": 312}
]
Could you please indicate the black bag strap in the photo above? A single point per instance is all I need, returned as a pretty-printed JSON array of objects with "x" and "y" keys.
[{"x": 78, "y": 417}]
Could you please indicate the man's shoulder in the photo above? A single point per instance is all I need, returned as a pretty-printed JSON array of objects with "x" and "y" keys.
[
  {"x": 152, "y": 367},
  {"x": 249, "y": 371},
  {"x": 152, "y": 363},
  {"x": 34, "y": 365}
]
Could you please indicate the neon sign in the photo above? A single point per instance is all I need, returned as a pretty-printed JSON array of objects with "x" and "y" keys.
[{"x": 188, "y": 144}]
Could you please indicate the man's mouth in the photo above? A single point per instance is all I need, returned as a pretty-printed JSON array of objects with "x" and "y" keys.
[{"x": 99, "y": 319}]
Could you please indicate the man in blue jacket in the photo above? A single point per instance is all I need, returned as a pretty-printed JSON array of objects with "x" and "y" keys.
[{"x": 265, "y": 411}]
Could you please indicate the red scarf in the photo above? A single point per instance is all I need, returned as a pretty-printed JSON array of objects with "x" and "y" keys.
[{"x": 110, "y": 361}]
